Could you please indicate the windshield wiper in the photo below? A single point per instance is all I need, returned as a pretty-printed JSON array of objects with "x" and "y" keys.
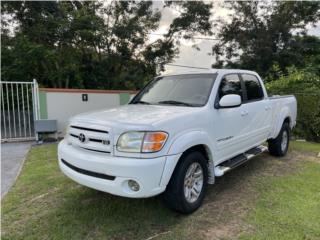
[
  {"x": 173, "y": 102},
  {"x": 141, "y": 102}
]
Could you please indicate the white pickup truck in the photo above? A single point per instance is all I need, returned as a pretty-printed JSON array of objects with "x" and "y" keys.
[{"x": 176, "y": 135}]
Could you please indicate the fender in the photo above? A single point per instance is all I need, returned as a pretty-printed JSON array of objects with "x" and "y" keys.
[
  {"x": 179, "y": 145},
  {"x": 285, "y": 112}
]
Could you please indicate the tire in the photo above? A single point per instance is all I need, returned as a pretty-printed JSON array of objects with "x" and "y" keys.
[
  {"x": 175, "y": 195},
  {"x": 279, "y": 146}
]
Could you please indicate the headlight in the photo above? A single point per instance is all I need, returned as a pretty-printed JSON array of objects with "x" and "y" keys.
[
  {"x": 130, "y": 142},
  {"x": 145, "y": 142}
]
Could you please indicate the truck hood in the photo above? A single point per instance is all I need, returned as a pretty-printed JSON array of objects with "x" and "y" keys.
[{"x": 134, "y": 115}]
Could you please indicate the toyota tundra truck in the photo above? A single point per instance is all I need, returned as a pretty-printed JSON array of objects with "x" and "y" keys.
[{"x": 177, "y": 135}]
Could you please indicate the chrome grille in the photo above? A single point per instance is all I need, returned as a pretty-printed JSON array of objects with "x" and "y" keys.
[{"x": 90, "y": 138}]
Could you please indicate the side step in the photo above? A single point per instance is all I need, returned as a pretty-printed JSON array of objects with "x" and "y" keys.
[{"x": 234, "y": 162}]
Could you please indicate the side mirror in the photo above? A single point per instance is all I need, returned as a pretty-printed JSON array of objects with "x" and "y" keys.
[{"x": 229, "y": 101}]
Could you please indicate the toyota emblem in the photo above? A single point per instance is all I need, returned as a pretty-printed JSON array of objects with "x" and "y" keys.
[{"x": 82, "y": 137}]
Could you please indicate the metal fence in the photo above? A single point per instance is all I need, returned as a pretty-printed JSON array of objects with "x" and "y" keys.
[{"x": 19, "y": 110}]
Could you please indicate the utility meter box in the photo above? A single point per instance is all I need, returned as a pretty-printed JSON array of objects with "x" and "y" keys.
[{"x": 46, "y": 126}]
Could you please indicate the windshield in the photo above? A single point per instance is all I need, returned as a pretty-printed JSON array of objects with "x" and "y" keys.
[{"x": 185, "y": 90}]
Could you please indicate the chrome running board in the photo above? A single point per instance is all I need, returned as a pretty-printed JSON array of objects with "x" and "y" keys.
[{"x": 236, "y": 161}]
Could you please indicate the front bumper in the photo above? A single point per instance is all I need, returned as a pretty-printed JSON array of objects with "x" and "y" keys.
[{"x": 113, "y": 173}]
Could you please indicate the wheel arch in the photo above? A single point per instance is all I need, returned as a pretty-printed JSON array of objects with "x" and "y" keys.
[
  {"x": 284, "y": 116},
  {"x": 207, "y": 153},
  {"x": 203, "y": 149},
  {"x": 288, "y": 120},
  {"x": 192, "y": 141}
]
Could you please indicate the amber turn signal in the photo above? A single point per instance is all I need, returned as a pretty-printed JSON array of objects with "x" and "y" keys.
[{"x": 154, "y": 141}]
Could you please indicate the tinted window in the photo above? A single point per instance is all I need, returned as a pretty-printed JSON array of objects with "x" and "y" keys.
[
  {"x": 230, "y": 84},
  {"x": 193, "y": 89},
  {"x": 253, "y": 87}
]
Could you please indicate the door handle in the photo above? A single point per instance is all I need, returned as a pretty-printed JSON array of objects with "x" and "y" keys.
[
  {"x": 244, "y": 113},
  {"x": 267, "y": 108}
]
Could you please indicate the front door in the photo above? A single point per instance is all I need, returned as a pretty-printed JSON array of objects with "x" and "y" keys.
[{"x": 229, "y": 124}]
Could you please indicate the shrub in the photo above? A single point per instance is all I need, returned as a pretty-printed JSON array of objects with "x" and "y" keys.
[{"x": 305, "y": 85}]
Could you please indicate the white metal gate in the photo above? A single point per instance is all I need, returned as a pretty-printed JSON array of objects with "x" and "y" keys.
[{"x": 19, "y": 110}]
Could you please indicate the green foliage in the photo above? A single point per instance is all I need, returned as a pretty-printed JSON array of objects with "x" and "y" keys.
[
  {"x": 195, "y": 14},
  {"x": 305, "y": 85},
  {"x": 301, "y": 53},
  {"x": 262, "y": 34},
  {"x": 90, "y": 44}
]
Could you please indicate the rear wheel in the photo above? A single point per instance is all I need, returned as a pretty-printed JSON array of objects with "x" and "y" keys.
[
  {"x": 186, "y": 189},
  {"x": 279, "y": 145}
]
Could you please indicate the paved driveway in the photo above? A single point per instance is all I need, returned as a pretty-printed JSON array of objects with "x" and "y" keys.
[{"x": 12, "y": 158}]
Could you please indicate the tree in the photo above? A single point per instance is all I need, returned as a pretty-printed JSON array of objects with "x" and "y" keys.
[
  {"x": 92, "y": 44},
  {"x": 263, "y": 34},
  {"x": 302, "y": 53}
]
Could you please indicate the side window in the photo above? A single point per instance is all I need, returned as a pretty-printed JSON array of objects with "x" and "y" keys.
[
  {"x": 253, "y": 87},
  {"x": 230, "y": 84}
]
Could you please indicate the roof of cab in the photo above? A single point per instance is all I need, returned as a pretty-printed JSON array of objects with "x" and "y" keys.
[{"x": 212, "y": 71}]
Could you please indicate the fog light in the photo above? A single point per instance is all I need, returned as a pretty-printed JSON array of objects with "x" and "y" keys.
[{"x": 133, "y": 185}]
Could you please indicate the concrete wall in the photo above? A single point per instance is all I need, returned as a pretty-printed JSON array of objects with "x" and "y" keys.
[{"x": 61, "y": 104}]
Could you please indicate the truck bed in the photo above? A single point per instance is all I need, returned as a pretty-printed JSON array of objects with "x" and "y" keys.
[{"x": 282, "y": 105}]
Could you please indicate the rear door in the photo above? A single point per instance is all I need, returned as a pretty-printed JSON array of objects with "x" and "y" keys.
[{"x": 257, "y": 110}]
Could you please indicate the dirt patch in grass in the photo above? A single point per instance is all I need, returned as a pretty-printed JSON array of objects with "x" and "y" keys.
[
  {"x": 307, "y": 156},
  {"x": 44, "y": 204}
]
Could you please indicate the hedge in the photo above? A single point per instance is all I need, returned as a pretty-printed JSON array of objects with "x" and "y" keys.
[{"x": 305, "y": 85}]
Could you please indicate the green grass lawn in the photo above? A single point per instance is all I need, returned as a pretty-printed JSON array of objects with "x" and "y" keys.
[
  {"x": 288, "y": 207},
  {"x": 268, "y": 198},
  {"x": 305, "y": 146}
]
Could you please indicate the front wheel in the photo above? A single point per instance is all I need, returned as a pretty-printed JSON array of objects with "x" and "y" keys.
[
  {"x": 279, "y": 145},
  {"x": 186, "y": 189}
]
